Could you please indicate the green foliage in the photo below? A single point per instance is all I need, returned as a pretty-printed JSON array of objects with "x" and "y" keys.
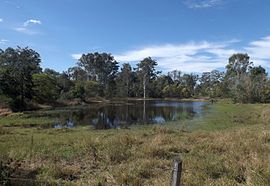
[
  {"x": 159, "y": 89},
  {"x": 96, "y": 74},
  {"x": 46, "y": 89},
  {"x": 211, "y": 84},
  {"x": 17, "y": 67},
  {"x": 78, "y": 91},
  {"x": 4, "y": 101},
  {"x": 124, "y": 81},
  {"x": 173, "y": 90},
  {"x": 91, "y": 89},
  {"x": 180, "y": 86},
  {"x": 146, "y": 71},
  {"x": 247, "y": 84},
  {"x": 101, "y": 68},
  {"x": 64, "y": 82},
  {"x": 77, "y": 74},
  {"x": 238, "y": 64}
]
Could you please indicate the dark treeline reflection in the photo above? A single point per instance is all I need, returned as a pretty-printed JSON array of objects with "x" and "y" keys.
[{"x": 122, "y": 115}]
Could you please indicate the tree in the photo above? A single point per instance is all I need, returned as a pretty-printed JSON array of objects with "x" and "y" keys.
[
  {"x": 64, "y": 82},
  {"x": 247, "y": 84},
  {"x": 211, "y": 83},
  {"x": 91, "y": 88},
  {"x": 237, "y": 75},
  {"x": 77, "y": 74},
  {"x": 45, "y": 88},
  {"x": 101, "y": 68},
  {"x": 146, "y": 72},
  {"x": 51, "y": 72},
  {"x": 173, "y": 90},
  {"x": 238, "y": 64},
  {"x": 17, "y": 67},
  {"x": 259, "y": 80},
  {"x": 159, "y": 84},
  {"x": 257, "y": 71},
  {"x": 175, "y": 75},
  {"x": 78, "y": 91},
  {"x": 188, "y": 81},
  {"x": 124, "y": 80},
  {"x": 205, "y": 82}
]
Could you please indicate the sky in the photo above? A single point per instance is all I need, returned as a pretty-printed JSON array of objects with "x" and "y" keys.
[{"x": 186, "y": 35}]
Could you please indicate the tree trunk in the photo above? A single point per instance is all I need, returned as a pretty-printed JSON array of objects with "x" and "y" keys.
[{"x": 144, "y": 87}]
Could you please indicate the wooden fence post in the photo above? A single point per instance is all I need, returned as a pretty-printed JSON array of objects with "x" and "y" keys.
[{"x": 176, "y": 173}]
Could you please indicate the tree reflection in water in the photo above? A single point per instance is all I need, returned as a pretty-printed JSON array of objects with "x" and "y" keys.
[{"x": 124, "y": 114}]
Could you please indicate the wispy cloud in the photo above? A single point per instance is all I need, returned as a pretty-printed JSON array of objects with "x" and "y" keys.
[
  {"x": 3, "y": 41},
  {"x": 197, "y": 56},
  {"x": 31, "y": 21},
  {"x": 12, "y": 3},
  {"x": 77, "y": 56},
  {"x": 189, "y": 57},
  {"x": 202, "y": 3},
  {"x": 26, "y": 31},
  {"x": 260, "y": 51},
  {"x": 26, "y": 27}
]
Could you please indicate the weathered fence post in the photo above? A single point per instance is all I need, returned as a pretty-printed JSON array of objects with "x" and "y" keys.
[
  {"x": 176, "y": 173},
  {"x": 31, "y": 147}
]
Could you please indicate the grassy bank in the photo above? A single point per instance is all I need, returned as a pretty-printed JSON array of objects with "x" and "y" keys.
[{"x": 229, "y": 146}]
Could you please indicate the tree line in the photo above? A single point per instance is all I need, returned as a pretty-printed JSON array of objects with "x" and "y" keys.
[{"x": 24, "y": 83}]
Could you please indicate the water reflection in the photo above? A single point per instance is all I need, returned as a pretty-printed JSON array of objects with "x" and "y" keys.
[
  {"x": 122, "y": 115},
  {"x": 68, "y": 124}
]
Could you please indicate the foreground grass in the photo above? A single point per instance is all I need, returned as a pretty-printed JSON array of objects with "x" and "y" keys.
[{"x": 229, "y": 146}]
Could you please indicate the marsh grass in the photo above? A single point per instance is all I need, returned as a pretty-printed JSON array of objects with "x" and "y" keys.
[
  {"x": 229, "y": 146},
  {"x": 24, "y": 120}
]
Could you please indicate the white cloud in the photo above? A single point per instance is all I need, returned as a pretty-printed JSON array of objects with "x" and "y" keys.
[
  {"x": 202, "y": 3},
  {"x": 21, "y": 29},
  {"x": 25, "y": 27},
  {"x": 260, "y": 51},
  {"x": 197, "y": 56},
  {"x": 31, "y": 21},
  {"x": 26, "y": 31},
  {"x": 189, "y": 57},
  {"x": 76, "y": 56},
  {"x": 1, "y": 20},
  {"x": 3, "y": 41}
]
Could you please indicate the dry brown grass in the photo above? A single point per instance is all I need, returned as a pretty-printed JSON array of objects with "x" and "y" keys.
[{"x": 237, "y": 155}]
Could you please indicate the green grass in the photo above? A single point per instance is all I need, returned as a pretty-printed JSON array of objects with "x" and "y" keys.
[
  {"x": 225, "y": 115},
  {"x": 229, "y": 146},
  {"x": 20, "y": 119}
]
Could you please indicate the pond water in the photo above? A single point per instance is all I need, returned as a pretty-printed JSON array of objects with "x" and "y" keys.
[{"x": 125, "y": 113}]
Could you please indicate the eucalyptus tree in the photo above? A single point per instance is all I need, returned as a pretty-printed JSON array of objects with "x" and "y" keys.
[
  {"x": 46, "y": 89},
  {"x": 260, "y": 84},
  {"x": 238, "y": 65},
  {"x": 211, "y": 83},
  {"x": 17, "y": 66},
  {"x": 175, "y": 75},
  {"x": 159, "y": 84},
  {"x": 247, "y": 83},
  {"x": 100, "y": 67},
  {"x": 258, "y": 71},
  {"x": 146, "y": 71},
  {"x": 124, "y": 80},
  {"x": 188, "y": 82},
  {"x": 77, "y": 73},
  {"x": 51, "y": 72},
  {"x": 64, "y": 82}
]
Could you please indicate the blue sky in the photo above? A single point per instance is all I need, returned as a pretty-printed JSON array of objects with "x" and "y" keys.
[{"x": 188, "y": 35}]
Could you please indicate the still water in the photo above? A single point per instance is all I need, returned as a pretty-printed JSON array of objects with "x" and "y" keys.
[{"x": 125, "y": 113}]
